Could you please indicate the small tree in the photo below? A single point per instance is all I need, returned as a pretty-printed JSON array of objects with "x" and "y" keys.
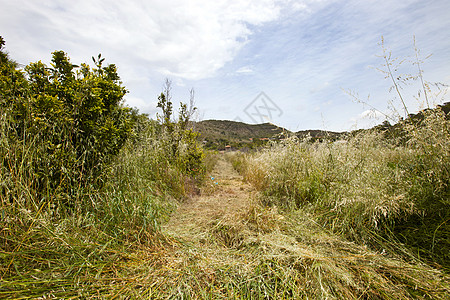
[{"x": 181, "y": 140}]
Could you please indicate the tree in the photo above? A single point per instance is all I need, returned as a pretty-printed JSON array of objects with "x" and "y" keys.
[{"x": 180, "y": 140}]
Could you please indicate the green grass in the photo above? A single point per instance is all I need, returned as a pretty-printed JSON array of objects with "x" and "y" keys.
[{"x": 88, "y": 249}]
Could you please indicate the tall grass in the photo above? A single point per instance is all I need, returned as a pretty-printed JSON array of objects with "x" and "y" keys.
[
  {"x": 49, "y": 250},
  {"x": 372, "y": 190}
]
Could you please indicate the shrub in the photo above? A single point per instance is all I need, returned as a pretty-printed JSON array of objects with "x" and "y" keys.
[
  {"x": 84, "y": 180},
  {"x": 178, "y": 137},
  {"x": 61, "y": 125}
]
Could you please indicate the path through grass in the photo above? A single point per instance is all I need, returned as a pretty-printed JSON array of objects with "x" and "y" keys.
[
  {"x": 220, "y": 244},
  {"x": 224, "y": 244}
]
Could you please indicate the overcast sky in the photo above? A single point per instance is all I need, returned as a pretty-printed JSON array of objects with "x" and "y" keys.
[{"x": 287, "y": 62}]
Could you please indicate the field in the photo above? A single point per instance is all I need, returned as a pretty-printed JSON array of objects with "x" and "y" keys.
[{"x": 100, "y": 202}]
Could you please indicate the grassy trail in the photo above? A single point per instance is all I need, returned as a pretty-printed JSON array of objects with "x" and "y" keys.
[
  {"x": 220, "y": 203},
  {"x": 217, "y": 239},
  {"x": 226, "y": 246},
  {"x": 223, "y": 244}
]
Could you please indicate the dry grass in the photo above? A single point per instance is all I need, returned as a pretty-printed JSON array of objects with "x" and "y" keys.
[
  {"x": 227, "y": 245},
  {"x": 364, "y": 184}
]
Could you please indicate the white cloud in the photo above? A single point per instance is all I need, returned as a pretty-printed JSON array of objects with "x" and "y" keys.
[
  {"x": 245, "y": 70},
  {"x": 144, "y": 106},
  {"x": 367, "y": 119},
  {"x": 188, "y": 39},
  {"x": 319, "y": 88},
  {"x": 371, "y": 114}
]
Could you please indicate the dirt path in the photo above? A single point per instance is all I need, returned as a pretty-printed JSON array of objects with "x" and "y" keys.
[{"x": 222, "y": 202}]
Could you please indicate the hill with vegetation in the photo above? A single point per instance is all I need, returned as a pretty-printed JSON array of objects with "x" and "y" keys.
[
  {"x": 217, "y": 134},
  {"x": 320, "y": 135}
]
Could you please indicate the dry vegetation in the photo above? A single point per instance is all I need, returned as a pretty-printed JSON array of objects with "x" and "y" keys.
[{"x": 230, "y": 245}]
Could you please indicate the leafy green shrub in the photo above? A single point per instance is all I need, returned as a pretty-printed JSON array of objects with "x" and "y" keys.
[
  {"x": 64, "y": 122},
  {"x": 84, "y": 180}
]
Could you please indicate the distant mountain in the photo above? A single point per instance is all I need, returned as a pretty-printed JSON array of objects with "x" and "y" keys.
[
  {"x": 217, "y": 134},
  {"x": 236, "y": 130}
]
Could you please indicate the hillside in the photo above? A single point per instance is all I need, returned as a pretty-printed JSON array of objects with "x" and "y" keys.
[
  {"x": 320, "y": 134},
  {"x": 217, "y": 134}
]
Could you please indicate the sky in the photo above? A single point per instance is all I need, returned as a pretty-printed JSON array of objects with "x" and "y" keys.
[{"x": 306, "y": 64}]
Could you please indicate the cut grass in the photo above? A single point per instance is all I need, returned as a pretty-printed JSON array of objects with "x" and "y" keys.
[{"x": 255, "y": 252}]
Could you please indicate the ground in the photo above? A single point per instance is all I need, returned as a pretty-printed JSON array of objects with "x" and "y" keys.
[{"x": 223, "y": 200}]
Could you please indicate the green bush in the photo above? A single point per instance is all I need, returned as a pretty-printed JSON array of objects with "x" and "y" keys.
[
  {"x": 84, "y": 180},
  {"x": 61, "y": 124},
  {"x": 179, "y": 140}
]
